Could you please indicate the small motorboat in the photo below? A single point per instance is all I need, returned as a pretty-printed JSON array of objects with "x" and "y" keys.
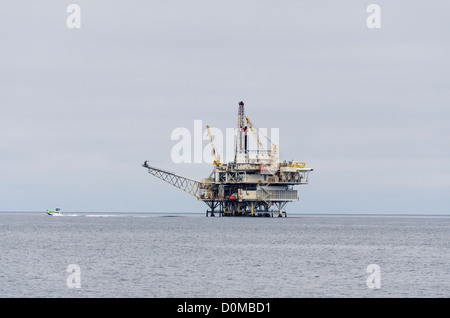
[{"x": 57, "y": 211}]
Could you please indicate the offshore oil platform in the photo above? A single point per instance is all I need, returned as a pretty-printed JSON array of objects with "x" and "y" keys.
[{"x": 256, "y": 183}]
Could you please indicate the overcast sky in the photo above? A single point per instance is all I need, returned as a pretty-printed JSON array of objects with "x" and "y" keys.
[{"x": 81, "y": 109}]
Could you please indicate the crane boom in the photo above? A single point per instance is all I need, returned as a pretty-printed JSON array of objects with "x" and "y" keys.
[
  {"x": 188, "y": 185},
  {"x": 250, "y": 125},
  {"x": 214, "y": 151}
]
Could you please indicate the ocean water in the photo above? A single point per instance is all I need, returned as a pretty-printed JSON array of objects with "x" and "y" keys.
[{"x": 189, "y": 255}]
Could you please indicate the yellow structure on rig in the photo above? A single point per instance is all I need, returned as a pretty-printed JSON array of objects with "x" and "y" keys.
[{"x": 214, "y": 151}]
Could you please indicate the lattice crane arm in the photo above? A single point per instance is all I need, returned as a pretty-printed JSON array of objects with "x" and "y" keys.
[{"x": 188, "y": 185}]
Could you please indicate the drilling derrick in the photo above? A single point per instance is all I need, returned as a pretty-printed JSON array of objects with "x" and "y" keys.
[{"x": 256, "y": 183}]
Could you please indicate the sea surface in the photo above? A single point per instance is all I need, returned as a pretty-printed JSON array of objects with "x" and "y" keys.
[{"x": 189, "y": 255}]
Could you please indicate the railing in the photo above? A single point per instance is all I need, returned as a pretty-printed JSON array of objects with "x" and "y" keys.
[
  {"x": 277, "y": 194},
  {"x": 259, "y": 152}
]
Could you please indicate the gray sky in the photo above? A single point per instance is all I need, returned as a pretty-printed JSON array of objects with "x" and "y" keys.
[{"x": 81, "y": 109}]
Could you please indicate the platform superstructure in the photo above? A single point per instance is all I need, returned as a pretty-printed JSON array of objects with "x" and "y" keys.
[{"x": 256, "y": 183}]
